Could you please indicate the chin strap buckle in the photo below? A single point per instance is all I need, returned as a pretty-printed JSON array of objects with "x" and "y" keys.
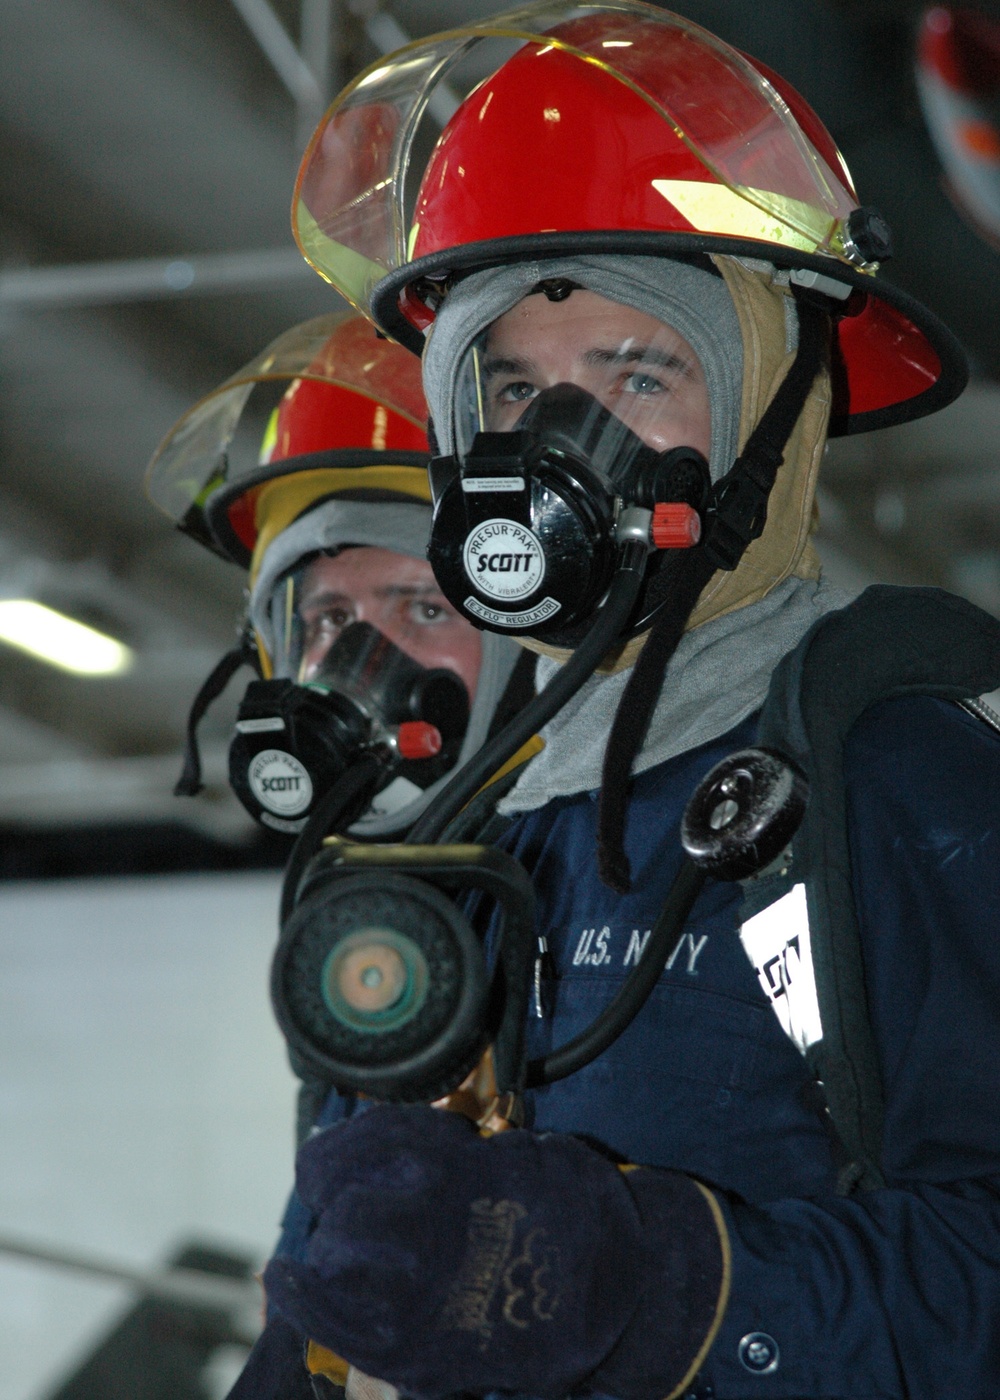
[{"x": 736, "y": 516}]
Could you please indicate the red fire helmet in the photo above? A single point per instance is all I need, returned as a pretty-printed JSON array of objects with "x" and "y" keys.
[
  {"x": 606, "y": 127},
  {"x": 351, "y": 419}
]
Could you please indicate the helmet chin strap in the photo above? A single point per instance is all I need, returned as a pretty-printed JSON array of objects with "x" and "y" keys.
[
  {"x": 736, "y": 515},
  {"x": 189, "y": 783}
]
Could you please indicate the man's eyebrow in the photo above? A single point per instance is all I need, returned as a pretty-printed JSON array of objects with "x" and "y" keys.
[
  {"x": 406, "y": 590},
  {"x": 638, "y": 354},
  {"x": 618, "y": 355},
  {"x": 323, "y": 597},
  {"x": 507, "y": 364}
]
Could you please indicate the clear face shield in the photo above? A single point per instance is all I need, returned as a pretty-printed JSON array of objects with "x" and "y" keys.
[
  {"x": 222, "y": 449},
  {"x": 726, "y": 157}
]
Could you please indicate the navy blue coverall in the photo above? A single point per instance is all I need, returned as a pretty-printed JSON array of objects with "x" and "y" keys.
[{"x": 888, "y": 1293}]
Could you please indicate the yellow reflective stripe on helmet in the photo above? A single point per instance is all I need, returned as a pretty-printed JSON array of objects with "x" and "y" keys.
[
  {"x": 756, "y": 214},
  {"x": 269, "y": 439},
  {"x": 283, "y": 499}
]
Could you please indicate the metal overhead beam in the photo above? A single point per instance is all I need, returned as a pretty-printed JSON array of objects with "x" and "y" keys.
[
  {"x": 120, "y": 142},
  {"x": 320, "y": 45},
  {"x": 306, "y": 72},
  {"x": 307, "y": 82},
  {"x": 318, "y": 42},
  {"x": 280, "y": 51},
  {"x": 149, "y": 279}
]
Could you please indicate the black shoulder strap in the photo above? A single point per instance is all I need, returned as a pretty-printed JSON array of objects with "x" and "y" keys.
[{"x": 889, "y": 642}]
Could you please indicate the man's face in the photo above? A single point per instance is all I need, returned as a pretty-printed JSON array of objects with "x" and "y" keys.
[
  {"x": 641, "y": 370},
  {"x": 394, "y": 593}
]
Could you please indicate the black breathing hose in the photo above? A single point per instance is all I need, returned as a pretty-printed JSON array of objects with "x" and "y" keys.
[
  {"x": 340, "y": 805},
  {"x": 346, "y": 799},
  {"x": 478, "y": 813},
  {"x": 580, "y": 667},
  {"x": 344, "y": 802},
  {"x": 631, "y": 996}
]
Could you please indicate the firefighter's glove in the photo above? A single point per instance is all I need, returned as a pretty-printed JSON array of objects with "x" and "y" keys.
[{"x": 444, "y": 1261}]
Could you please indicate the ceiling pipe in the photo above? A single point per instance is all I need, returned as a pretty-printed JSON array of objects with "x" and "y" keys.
[
  {"x": 320, "y": 31},
  {"x": 307, "y": 72},
  {"x": 148, "y": 279},
  {"x": 95, "y": 789},
  {"x": 153, "y": 279}
]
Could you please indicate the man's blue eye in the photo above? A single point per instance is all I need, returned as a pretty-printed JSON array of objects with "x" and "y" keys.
[
  {"x": 640, "y": 383},
  {"x": 518, "y": 391}
]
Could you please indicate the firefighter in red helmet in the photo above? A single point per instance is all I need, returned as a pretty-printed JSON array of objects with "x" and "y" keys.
[
  {"x": 645, "y": 292},
  {"x": 330, "y": 518},
  {"x": 369, "y": 684}
]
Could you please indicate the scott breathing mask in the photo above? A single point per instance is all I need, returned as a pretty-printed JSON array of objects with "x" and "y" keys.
[
  {"x": 366, "y": 658},
  {"x": 527, "y": 521},
  {"x": 293, "y": 741}
]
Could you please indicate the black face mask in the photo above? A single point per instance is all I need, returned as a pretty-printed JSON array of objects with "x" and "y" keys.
[
  {"x": 526, "y": 527},
  {"x": 294, "y": 741}
]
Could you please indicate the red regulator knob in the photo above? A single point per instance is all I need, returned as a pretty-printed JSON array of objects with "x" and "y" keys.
[
  {"x": 418, "y": 739},
  {"x": 675, "y": 525}
]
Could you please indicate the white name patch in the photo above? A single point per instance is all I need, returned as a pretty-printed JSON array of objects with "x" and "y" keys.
[{"x": 777, "y": 943}]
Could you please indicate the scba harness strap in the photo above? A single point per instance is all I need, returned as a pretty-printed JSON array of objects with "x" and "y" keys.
[
  {"x": 890, "y": 642},
  {"x": 736, "y": 516}
]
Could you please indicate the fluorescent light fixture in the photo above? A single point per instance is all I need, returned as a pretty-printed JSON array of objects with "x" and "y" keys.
[{"x": 59, "y": 640}]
